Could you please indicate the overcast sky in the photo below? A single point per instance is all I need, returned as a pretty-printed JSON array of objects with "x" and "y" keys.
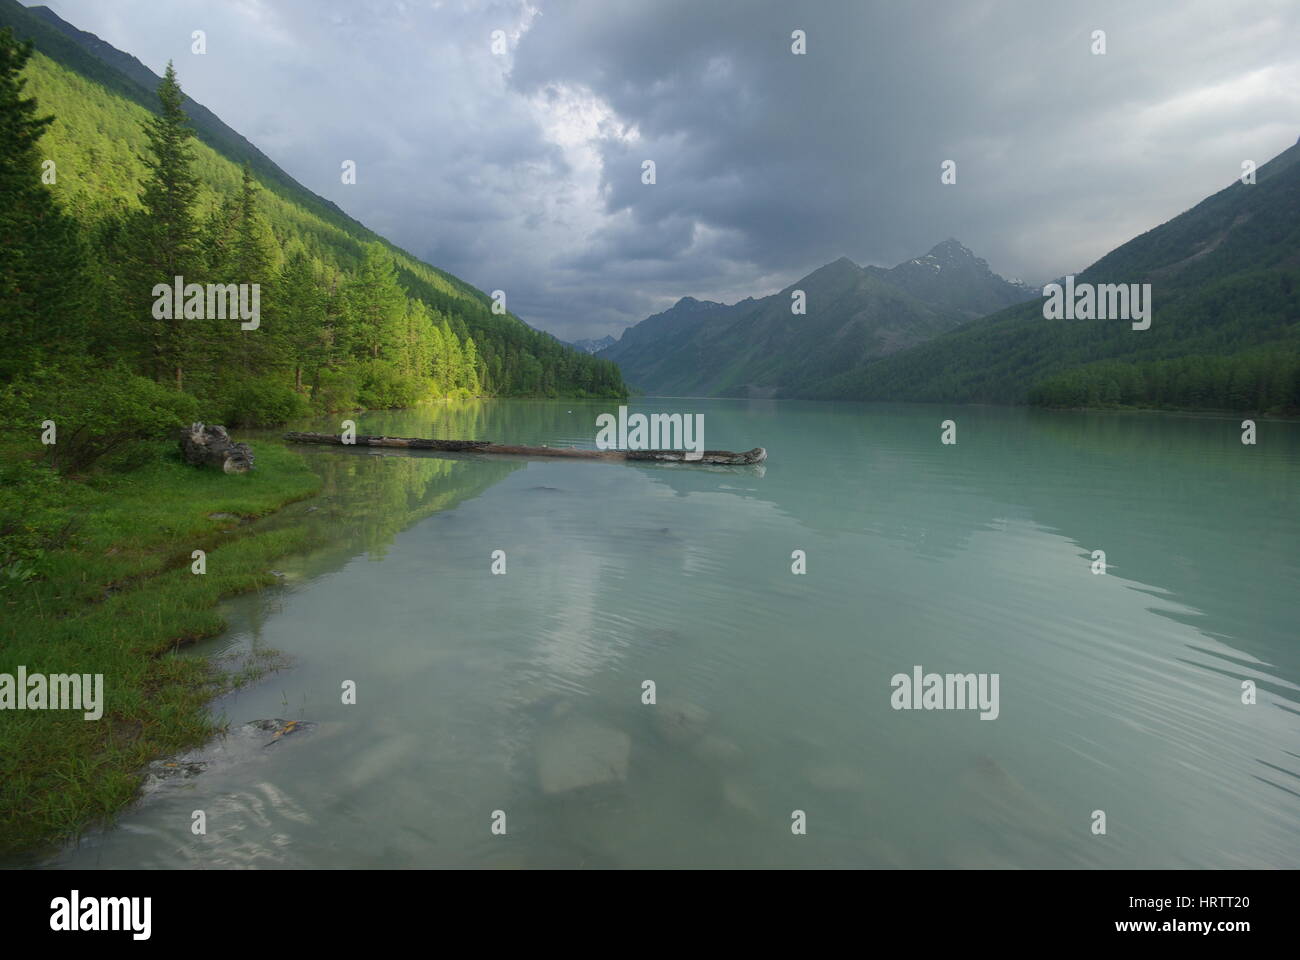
[{"x": 523, "y": 171}]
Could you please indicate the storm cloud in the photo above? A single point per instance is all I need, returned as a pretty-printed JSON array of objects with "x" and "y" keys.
[{"x": 522, "y": 170}]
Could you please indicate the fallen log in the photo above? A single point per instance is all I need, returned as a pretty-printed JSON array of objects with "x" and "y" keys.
[
  {"x": 421, "y": 443},
  {"x": 210, "y": 446},
  {"x": 757, "y": 455}
]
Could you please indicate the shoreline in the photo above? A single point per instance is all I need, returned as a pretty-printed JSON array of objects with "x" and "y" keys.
[
  {"x": 112, "y": 590},
  {"x": 118, "y": 595}
]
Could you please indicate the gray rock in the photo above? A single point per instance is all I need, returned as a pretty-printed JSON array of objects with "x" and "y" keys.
[
  {"x": 210, "y": 445},
  {"x": 176, "y": 769},
  {"x": 574, "y": 752},
  {"x": 680, "y": 723},
  {"x": 717, "y": 749}
]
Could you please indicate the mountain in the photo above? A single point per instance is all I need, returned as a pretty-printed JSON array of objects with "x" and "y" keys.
[
  {"x": 761, "y": 348},
  {"x": 953, "y": 277},
  {"x": 123, "y": 74},
  {"x": 1224, "y": 333},
  {"x": 593, "y": 346},
  {"x": 101, "y": 96}
]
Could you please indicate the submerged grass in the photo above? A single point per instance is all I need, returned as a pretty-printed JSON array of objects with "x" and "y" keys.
[{"x": 109, "y": 590}]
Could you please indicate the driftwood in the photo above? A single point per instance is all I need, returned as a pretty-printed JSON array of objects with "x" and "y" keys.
[
  {"x": 757, "y": 455},
  {"x": 210, "y": 446}
]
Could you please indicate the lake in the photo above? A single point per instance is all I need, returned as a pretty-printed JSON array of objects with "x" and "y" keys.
[{"x": 517, "y": 699}]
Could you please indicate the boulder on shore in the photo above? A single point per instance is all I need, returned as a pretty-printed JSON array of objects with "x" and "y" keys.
[{"x": 209, "y": 445}]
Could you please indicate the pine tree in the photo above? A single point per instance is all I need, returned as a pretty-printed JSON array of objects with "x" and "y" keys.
[
  {"x": 252, "y": 255},
  {"x": 300, "y": 313},
  {"x": 378, "y": 304},
  {"x": 438, "y": 361},
  {"x": 41, "y": 258},
  {"x": 165, "y": 233},
  {"x": 418, "y": 359},
  {"x": 471, "y": 368}
]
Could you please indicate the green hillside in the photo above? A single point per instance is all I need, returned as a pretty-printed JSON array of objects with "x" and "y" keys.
[
  {"x": 446, "y": 341},
  {"x": 124, "y": 75},
  {"x": 1224, "y": 335}
]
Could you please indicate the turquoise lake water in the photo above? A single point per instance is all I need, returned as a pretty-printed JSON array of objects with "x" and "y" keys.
[{"x": 521, "y": 694}]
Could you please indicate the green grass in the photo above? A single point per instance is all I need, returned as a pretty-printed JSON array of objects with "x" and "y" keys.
[{"x": 110, "y": 591}]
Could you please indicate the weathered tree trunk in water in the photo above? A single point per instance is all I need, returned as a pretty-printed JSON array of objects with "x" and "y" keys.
[
  {"x": 211, "y": 446},
  {"x": 757, "y": 455},
  {"x": 451, "y": 446}
]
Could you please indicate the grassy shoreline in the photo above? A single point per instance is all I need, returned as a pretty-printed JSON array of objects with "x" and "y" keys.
[{"x": 109, "y": 589}]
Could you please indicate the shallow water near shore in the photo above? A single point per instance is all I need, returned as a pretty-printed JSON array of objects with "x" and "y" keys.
[{"x": 521, "y": 694}]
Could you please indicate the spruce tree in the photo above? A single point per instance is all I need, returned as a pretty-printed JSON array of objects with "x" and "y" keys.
[
  {"x": 379, "y": 306},
  {"x": 301, "y": 315},
  {"x": 252, "y": 255},
  {"x": 165, "y": 232},
  {"x": 471, "y": 368},
  {"x": 41, "y": 257}
]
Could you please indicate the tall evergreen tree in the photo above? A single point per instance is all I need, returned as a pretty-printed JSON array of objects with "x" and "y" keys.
[
  {"x": 301, "y": 315},
  {"x": 379, "y": 305},
  {"x": 41, "y": 259},
  {"x": 165, "y": 232},
  {"x": 252, "y": 255},
  {"x": 471, "y": 368}
]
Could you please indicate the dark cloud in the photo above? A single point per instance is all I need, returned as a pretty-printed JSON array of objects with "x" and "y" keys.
[{"x": 523, "y": 171}]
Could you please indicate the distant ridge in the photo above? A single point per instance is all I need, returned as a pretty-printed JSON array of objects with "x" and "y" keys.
[
  {"x": 593, "y": 346},
  {"x": 759, "y": 348},
  {"x": 1224, "y": 334}
]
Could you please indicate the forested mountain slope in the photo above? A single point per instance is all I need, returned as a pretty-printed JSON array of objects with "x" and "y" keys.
[
  {"x": 1224, "y": 334},
  {"x": 852, "y": 314},
  {"x": 348, "y": 318}
]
